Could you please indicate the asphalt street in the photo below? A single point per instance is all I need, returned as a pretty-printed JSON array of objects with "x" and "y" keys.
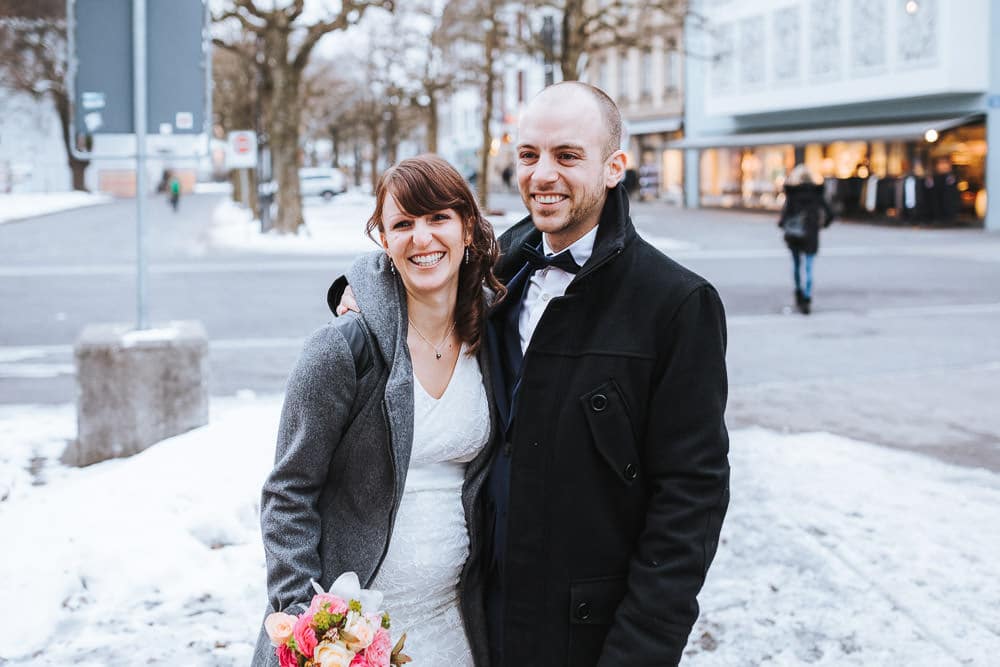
[{"x": 902, "y": 348}]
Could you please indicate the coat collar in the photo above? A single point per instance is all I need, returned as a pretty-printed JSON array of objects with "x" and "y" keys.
[
  {"x": 614, "y": 232},
  {"x": 382, "y": 299}
]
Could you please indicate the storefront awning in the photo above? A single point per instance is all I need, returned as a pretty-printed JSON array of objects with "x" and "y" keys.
[
  {"x": 652, "y": 126},
  {"x": 825, "y": 135}
]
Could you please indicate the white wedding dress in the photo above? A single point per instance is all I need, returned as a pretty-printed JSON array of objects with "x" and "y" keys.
[{"x": 430, "y": 542}]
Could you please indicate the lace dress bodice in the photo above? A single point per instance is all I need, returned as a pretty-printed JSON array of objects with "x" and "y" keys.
[{"x": 430, "y": 540}]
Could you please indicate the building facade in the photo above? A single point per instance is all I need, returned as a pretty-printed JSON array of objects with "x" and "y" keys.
[
  {"x": 647, "y": 83},
  {"x": 889, "y": 101}
]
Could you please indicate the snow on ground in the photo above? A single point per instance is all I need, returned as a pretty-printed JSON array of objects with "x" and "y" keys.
[
  {"x": 834, "y": 552},
  {"x": 17, "y": 206},
  {"x": 336, "y": 227}
]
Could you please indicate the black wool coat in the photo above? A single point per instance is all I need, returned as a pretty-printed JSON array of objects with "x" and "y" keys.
[
  {"x": 806, "y": 199},
  {"x": 619, "y": 473}
]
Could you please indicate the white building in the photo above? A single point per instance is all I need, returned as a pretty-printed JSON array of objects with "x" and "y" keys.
[
  {"x": 647, "y": 84},
  {"x": 893, "y": 102}
]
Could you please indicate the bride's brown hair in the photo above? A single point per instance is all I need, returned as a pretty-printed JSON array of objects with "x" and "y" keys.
[{"x": 428, "y": 184}]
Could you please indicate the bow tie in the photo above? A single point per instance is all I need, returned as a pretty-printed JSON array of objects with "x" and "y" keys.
[{"x": 537, "y": 261}]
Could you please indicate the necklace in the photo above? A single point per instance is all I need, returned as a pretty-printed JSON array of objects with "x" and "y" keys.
[{"x": 436, "y": 348}]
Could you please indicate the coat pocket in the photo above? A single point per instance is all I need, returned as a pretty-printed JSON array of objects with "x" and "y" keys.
[
  {"x": 611, "y": 428},
  {"x": 592, "y": 607}
]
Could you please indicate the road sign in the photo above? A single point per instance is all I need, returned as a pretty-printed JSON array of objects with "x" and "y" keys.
[
  {"x": 241, "y": 150},
  {"x": 101, "y": 77},
  {"x": 993, "y": 101}
]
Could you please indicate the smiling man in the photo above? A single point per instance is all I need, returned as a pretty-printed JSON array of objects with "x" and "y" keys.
[{"x": 607, "y": 495}]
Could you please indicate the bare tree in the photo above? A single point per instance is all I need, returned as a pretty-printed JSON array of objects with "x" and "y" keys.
[
  {"x": 284, "y": 44},
  {"x": 586, "y": 26},
  {"x": 33, "y": 56}
]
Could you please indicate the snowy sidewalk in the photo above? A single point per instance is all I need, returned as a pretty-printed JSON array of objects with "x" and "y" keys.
[
  {"x": 834, "y": 552},
  {"x": 31, "y": 204}
]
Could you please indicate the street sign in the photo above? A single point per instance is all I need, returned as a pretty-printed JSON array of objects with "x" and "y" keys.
[
  {"x": 241, "y": 150},
  {"x": 101, "y": 77},
  {"x": 993, "y": 101}
]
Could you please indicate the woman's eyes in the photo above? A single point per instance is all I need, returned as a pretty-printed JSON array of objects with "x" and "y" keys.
[{"x": 434, "y": 217}]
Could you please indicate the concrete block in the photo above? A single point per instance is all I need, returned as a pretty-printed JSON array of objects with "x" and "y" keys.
[{"x": 136, "y": 388}]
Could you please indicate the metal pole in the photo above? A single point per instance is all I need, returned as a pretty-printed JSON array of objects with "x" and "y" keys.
[{"x": 139, "y": 110}]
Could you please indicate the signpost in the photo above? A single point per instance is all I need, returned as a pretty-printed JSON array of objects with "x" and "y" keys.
[
  {"x": 241, "y": 153},
  {"x": 133, "y": 63}
]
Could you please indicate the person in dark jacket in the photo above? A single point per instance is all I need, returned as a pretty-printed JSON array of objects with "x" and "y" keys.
[
  {"x": 608, "y": 492},
  {"x": 805, "y": 211},
  {"x": 608, "y": 489}
]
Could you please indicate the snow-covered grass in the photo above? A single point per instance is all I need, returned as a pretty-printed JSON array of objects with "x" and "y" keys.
[
  {"x": 18, "y": 206},
  {"x": 834, "y": 552}
]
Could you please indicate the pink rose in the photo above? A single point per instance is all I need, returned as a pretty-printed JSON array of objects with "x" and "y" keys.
[
  {"x": 337, "y": 605},
  {"x": 379, "y": 651},
  {"x": 305, "y": 636},
  {"x": 359, "y": 661},
  {"x": 286, "y": 656},
  {"x": 279, "y": 627}
]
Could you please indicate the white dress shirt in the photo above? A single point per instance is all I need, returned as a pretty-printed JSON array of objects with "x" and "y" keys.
[{"x": 550, "y": 283}]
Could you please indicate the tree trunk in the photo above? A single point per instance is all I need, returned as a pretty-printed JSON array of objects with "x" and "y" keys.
[
  {"x": 335, "y": 140},
  {"x": 77, "y": 167},
  {"x": 483, "y": 178},
  {"x": 571, "y": 42},
  {"x": 432, "y": 124},
  {"x": 391, "y": 138},
  {"x": 283, "y": 135},
  {"x": 374, "y": 135},
  {"x": 358, "y": 166}
]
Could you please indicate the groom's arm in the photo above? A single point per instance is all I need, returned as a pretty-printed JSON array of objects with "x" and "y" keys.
[{"x": 686, "y": 463}]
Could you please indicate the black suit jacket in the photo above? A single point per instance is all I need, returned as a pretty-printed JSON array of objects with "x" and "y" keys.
[{"x": 618, "y": 470}]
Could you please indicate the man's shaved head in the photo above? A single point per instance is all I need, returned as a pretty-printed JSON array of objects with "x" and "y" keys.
[{"x": 609, "y": 110}]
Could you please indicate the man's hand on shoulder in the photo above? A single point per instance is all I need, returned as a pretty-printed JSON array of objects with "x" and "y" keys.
[{"x": 347, "y": 302}]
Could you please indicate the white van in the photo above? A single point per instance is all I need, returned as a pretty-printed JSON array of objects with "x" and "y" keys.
[{"x": 325, "y": 182}]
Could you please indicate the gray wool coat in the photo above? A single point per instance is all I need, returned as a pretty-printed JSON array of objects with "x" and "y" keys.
[{"x": 343, "y": 451}]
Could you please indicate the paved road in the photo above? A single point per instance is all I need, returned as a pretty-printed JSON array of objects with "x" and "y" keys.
[{"x": 903, "y": 348}]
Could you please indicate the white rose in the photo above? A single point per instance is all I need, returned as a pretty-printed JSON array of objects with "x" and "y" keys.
[
  {"x": 362, "y": 629},
  {"x": 332, "y": 654}
]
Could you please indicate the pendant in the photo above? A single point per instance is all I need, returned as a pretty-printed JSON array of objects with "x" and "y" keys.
[{"x": 438, "y": 354}]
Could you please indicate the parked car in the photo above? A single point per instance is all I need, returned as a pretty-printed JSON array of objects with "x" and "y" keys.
[{"x": 325, "y": 182}]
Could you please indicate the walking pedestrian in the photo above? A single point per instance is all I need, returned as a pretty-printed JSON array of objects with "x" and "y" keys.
[
  {"x": 175, "y": 192},
  {"x": 805, "y": 211}
]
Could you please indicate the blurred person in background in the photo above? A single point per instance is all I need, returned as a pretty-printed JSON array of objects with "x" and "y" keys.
[{"x": 804, "y": 212}]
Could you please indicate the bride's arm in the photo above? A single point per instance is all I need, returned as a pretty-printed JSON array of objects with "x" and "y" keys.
[{"x": 318, "y": 399}]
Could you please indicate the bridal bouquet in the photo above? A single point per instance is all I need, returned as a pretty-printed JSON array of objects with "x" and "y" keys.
[{"x": 343, "y": 627}]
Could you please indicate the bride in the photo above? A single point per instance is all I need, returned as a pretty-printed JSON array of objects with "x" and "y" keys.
[{"x": 382, "y": 447}]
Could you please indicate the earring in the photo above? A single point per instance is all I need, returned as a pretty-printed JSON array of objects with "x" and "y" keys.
[
  {"x": 392, "y": 267},
  {"x": 466, "y": 254}
]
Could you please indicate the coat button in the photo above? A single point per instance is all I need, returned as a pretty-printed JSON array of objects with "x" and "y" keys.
[
  {"x": 631, "y": 472},
  {"x": 534, "y": 443},
  {"x": 507, "y": 449},
  {"x": 598, "y": 402},
  {"x": 583, "y": 611}
]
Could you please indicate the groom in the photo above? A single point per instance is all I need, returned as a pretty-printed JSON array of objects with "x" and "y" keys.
[{"x": 607, "y": 495}]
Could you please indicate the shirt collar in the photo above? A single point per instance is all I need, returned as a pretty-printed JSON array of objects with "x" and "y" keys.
[{"x": 581, "y": 249}]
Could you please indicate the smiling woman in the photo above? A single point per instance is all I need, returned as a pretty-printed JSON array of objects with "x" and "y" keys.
[{"x": 385, "y": 433}]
